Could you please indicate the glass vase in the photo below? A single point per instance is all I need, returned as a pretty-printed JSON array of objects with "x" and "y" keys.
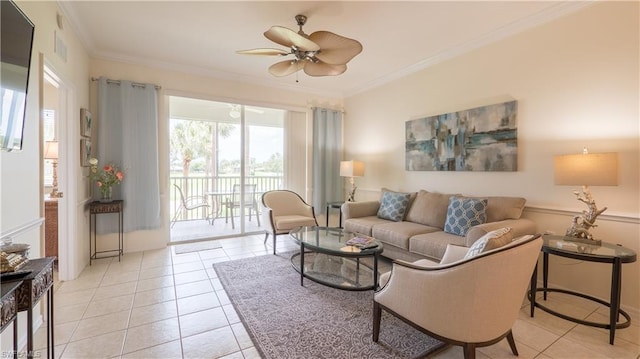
[{"x": 106, "y": 194}]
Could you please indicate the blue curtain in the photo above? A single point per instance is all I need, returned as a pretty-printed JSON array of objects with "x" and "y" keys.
[
  {"x": 128, "y": 137},
  {"x": 327, "y": 154}
]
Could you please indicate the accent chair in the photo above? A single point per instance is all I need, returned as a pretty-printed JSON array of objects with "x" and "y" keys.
[
  {"x": 468, "y": 299},
  {"x": 283, "y": 211}
]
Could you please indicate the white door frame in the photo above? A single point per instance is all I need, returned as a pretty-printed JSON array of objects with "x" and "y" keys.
[{"x": 68, "y": 144}]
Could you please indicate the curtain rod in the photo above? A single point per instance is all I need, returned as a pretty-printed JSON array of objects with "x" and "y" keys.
[
  {"x": 325, "y": 108},
  {"x": 117, "y": 82}
]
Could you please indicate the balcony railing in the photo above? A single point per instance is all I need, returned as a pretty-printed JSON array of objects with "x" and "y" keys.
[{"x": 216, "y": 190}]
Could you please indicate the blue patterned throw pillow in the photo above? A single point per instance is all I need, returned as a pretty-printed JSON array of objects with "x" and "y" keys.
[
  {"x": 393, "y": 205},
  {"x": 464, "y": 213}
]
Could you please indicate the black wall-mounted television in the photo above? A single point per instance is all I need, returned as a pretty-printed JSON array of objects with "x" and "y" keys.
[{"x": 16, "y": 43}]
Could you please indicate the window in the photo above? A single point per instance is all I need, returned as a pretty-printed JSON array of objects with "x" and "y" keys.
[
  {"x": 48, "y": 134},
  {"x": 215, "y": 146}
]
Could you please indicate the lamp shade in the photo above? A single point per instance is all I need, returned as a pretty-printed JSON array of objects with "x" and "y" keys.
[
  {"x": 351, "y": 169},
  {"x": 51, "y": 150},
  {"x": 590, "y": 169}
]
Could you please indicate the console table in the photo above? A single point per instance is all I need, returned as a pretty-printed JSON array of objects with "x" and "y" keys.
[
  {"x": 604, "y": 253},
  {"x": 95, "y": 208},
  {"x": 9, "y": 311},
  {"x": 28, "y": 294}
]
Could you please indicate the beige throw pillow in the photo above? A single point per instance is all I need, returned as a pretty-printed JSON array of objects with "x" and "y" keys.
[
  {"x": 429, "y": 208},
  {"x": 501, "y": 208},
  {"x": 492, "y": 240}
]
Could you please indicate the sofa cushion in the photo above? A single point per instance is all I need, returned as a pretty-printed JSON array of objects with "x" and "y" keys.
[
  {"x": 429, "y": 208},
  {"x": 393, "y": 205},
  {"x": 434, "y": 244},
  {"x": 464, "y": 213},
  {"x": 363, "y": 225},
  {"x": 492, "y": 240},
  {"x": 501, "y": 208},
  {"x": 398, "y": 233}
]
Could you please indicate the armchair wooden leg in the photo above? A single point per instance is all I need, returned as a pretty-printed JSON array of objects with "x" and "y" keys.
[
  {"x": 469, "y": 351},
  {"x": 274, "y": 243},
  {"x": 266, "y": 236},
  {"x": 512, "y": 343},
  {"x": 377, "y": 316}
]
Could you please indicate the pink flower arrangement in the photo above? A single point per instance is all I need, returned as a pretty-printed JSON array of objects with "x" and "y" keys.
[{"x": 108, "y": 177}]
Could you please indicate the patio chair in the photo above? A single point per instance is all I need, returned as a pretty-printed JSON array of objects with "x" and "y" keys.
[
  {"x": 189, "y": 204},
  {"x": 233, "y": 202}
]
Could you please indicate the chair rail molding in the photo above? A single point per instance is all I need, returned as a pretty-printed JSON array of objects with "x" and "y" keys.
[
  {"x": 624, "y": 218},
  {"x": 14, "y": 232}
]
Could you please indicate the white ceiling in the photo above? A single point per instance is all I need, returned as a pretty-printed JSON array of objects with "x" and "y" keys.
[{"x": 202, "y": 36}]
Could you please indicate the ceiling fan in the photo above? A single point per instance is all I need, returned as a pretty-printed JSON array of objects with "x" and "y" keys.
[{"x": 322, "y": 53}]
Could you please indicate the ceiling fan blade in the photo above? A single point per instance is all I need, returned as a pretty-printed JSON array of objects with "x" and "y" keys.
[
  {"x": 287, "y": 67},
  {"x": 287, "y": 37},
  {"x": 335, "y": 49},
  {"x": 323, "y": 69},
  {"x": 267, "y": 52}
]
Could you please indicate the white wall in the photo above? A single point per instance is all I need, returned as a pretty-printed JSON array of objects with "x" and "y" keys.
[
  {"x": 21, "y": 194},
  {"x": 189, "y": 85},
  {"x": 576, "y": 82}
]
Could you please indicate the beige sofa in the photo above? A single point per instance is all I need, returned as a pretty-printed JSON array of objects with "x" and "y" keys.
[{"x": 421, "y": 233}]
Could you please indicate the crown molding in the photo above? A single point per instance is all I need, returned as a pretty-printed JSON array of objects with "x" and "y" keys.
[
  {"x": 72, "y": 19},
  {"x": 215, "y": 74},
  {"x": 544, "y": 16},
  {"x": 74, "y": 22}
]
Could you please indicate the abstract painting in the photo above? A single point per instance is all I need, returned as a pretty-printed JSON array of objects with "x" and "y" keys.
[{"x": 477, "y": 139}]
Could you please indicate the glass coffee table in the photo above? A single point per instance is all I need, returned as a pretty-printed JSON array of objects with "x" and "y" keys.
[{"x": 326, "y": 258}]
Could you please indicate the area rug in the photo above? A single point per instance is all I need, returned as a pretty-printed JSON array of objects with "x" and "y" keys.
[
  {"x": 287, "y": 320},
  {"x": 197, "y": 246}
]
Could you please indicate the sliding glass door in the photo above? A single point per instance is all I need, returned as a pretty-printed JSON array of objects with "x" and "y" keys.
[{"x": 223, "y": 156}]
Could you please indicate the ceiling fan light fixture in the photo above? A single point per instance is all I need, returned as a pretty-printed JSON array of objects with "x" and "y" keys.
[{"x": 322, "y": 53}]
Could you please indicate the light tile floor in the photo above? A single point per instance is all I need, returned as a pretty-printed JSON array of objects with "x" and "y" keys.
[{"x": 152, "y": 305}]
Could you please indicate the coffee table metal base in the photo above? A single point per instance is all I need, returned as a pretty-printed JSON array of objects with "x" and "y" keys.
[{"x": 344, "y": 272}]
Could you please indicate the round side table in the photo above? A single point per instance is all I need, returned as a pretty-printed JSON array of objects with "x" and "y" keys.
[
  {"x": 334, "y": 205},
  {"x": 601, "y": 253}
]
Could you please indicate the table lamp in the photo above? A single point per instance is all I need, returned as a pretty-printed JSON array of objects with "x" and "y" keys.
[
  {"x": 351, "y": 169},
  {"x": 51, "y": 153},
  {"x": 586, "y": 169}
]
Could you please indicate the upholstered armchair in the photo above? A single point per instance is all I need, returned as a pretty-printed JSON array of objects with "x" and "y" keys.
[
  {"x": 283, "y": 211},
  {"x": 471, "y": 302}
]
